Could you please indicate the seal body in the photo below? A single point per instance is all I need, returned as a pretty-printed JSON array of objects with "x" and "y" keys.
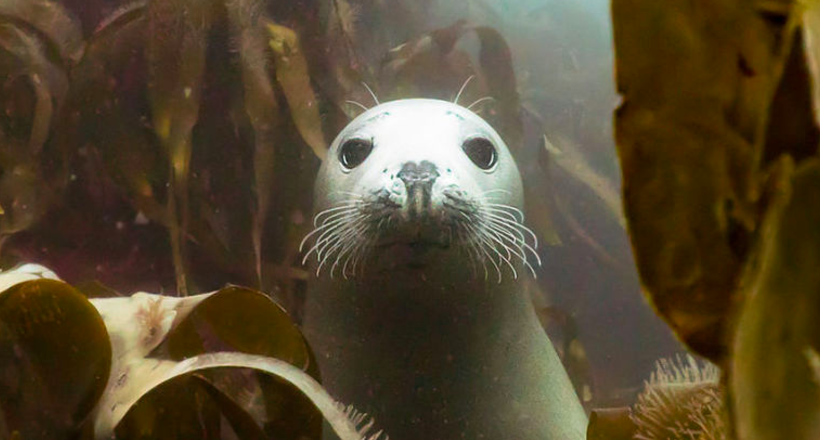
[{"x": 416, "y": 314}]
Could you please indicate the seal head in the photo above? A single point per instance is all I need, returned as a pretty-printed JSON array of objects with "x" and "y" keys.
[{"x": 410, "y": 179}]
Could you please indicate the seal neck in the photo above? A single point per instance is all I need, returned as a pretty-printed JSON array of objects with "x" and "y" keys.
[{"x": 432, "y": 355}]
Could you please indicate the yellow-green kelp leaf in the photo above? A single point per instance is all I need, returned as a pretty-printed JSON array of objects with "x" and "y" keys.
[
  {"x": 773, "y": 388},
  {"x": 293, "y": 76},
  {"x": 698, "y": 81},
  {"x": 54, "y": 359}
]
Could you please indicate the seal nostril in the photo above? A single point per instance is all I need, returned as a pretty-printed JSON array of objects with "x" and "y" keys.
[
  {"x": 423, "y": 173},
  {"x": 418, "y": 180}
]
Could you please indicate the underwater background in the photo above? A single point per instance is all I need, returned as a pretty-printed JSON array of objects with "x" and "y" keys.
[
  {"x": 87, "y": 183},
  {"x": 170, "y": 146}
]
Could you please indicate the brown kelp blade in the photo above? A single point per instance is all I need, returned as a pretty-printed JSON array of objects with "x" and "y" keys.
[{"x": 55, "y": 359}]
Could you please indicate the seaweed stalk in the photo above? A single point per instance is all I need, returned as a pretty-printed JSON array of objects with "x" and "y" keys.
[
  {"x": 176, "y": 55},
  {"x": 262, "y": 109}
]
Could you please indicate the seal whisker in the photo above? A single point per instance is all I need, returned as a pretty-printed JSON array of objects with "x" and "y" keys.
[
  {"x": 516, "y": 248},
  {"x": 501, "y": 212},
  {"x": 325, "y": 220},
  {"x": 516, "y": 225},
  {"x": 342, "y": 244},
  {"x": 350, "y": 101},
  {"x": 348, "y": 205},
  {"x": 335, "y": 239},
  {"x": 489, "y": 239},
  {"x": 489, "y": 234},
  {"x": 324, "y": 229},
  {"x": 506, "y": 224},
  {"x": 483, "y": 247},
  {"x": 503, "y": 207},
  {"x": 479, "y": 250},
  {"x": 352, "y": 255},
  {"x": 359, "y": 253},
  {"x": 328, "y": 236},
  {"x": 496, "y": 190},
  {"x": 330, "y": 225},
  {"x": 336, "y": 215},
  {"x": 472, "y": 244},
  {"x": 493, "y": 194},
  {"x": 516, "y": 229},
  {"x": 344, "y": 250},
  {"x": 371, "y": 92},
  {"x": 343, "y": 247},
  {"x": 466, "y": 247},
  {"x": 479, "y": 101},
  {"x": 463, "y": 86},
  {"x": 516, "y": 237},
  {"x": 350, "y": 243}
]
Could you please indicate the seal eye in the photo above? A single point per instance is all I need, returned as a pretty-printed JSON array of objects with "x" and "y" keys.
[
  {"x": 481, "y": 151},
  {"x": 354, "y": 151}
]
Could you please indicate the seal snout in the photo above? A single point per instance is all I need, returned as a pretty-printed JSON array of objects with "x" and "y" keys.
[{"x": 418, "y": 181}]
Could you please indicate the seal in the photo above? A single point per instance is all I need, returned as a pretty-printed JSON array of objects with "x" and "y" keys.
[{"x": 416, "y": 314}]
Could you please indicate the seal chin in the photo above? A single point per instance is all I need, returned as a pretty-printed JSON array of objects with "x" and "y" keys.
[
  {"x": 414, "y": 245},
  {"x": 409, "y": 255}
]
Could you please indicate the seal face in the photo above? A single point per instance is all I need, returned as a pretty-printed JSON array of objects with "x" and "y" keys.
[{"x": 409, "y": 179}]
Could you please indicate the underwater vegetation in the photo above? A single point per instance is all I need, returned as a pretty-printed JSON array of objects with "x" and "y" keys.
[
  {"x": 717, "y": 136},
  {"x": 170, "y": 146},
  {"x": 78, "y": 367}
]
